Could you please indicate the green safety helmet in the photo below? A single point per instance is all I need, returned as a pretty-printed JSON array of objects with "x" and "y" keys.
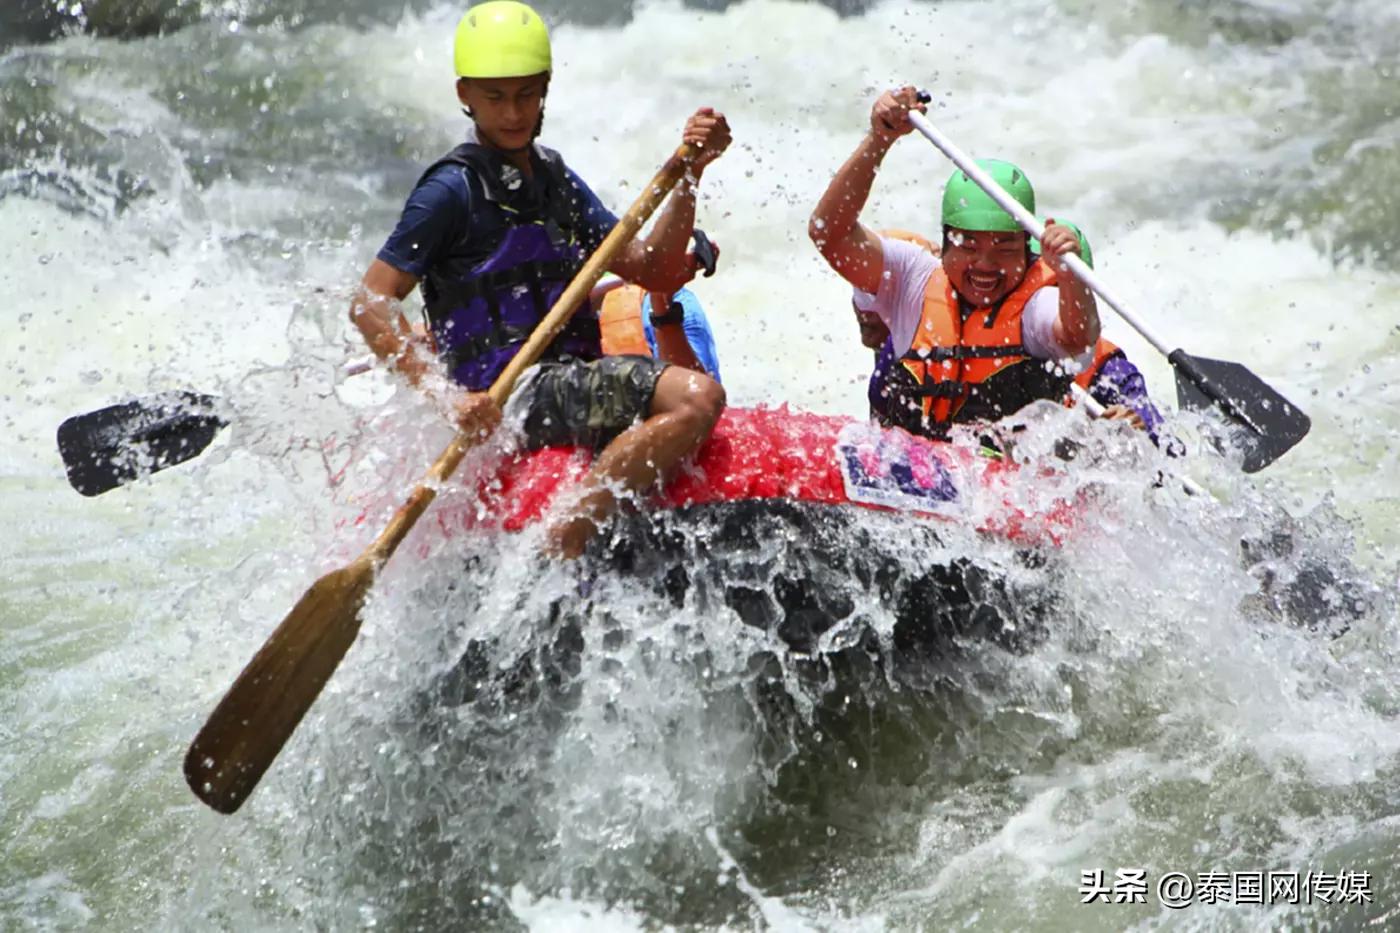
[
  {"x": 501, "y": 39},
  {"x": 968, "y": 207},
  {"x": 1085, "y": 253}
]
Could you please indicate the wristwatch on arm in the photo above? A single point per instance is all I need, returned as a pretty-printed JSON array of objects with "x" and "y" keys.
[{"x": 674, "y": 314}]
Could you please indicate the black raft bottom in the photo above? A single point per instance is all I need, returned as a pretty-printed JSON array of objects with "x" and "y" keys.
[{"x": 823, "y": 581}]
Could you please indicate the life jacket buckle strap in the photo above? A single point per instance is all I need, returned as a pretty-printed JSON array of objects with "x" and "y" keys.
[
  {"x": 966, "y": 352},
  {"x": 951, "y": 388}
]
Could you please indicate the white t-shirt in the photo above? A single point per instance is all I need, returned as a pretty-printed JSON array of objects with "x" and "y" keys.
[{"x": 900, "y": 302}]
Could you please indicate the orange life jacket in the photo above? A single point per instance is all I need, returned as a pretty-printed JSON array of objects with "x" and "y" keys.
[
  {"x": 971, "y": 368},
  {"x": 1102, "y": 351},
  {"x": 620, "y": 321}
]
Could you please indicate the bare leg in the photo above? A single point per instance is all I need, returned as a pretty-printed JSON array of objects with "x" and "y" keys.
[{"x": 683, "y": 413}]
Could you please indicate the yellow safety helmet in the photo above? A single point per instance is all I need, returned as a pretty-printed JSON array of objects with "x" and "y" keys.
[{"x": 501, "y": 39}]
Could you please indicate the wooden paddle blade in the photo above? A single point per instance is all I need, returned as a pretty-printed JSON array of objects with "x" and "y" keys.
[
  {"x": 260, "y": 711},
  {"x": 1273, "y": 424},
  {"x": 112, "y": 446}
]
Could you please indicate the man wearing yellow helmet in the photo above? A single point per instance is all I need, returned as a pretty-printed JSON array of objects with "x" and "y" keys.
[
  {"x": 976, "y": 331},
  {"x": 494, "y": 231}
]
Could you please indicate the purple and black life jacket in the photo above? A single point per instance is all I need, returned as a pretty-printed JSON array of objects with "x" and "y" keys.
[
  {"x": 523, "y": 249},
  {"x": 878, "y": 391}
]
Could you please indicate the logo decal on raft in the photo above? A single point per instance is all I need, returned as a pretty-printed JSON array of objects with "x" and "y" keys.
[{"x": 896, "y": 470}]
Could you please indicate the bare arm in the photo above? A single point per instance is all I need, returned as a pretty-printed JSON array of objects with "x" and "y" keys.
[
  {"x": 375, "y": 310},
  {"x": 672, "y": 345},
  {"x": 660, "y": 263},
  {"x": 1077, "y": 326},
  {"x": 849, "y": 247}
]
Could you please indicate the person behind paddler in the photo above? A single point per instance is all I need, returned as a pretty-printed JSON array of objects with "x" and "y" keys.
[
  {"x": 975, "y": 333},
  {"x": 875, "y": 333},
  {"x": 679, "y": 333},
  {"x": 494, "y": 231}
]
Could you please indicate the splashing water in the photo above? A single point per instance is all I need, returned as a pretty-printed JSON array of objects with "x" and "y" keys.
[{"x": 788, "y": 717}]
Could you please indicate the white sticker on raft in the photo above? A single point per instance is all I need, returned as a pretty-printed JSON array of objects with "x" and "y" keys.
[{"x": 896, "y": 470}]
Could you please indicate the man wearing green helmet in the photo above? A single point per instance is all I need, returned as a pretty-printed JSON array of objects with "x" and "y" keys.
[
  {"x": 494, "y": 232},
  {"x": 978, "y": 332},
  {"x": 1106, "y": 374}
]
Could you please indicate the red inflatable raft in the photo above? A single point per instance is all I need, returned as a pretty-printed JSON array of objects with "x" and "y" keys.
[{"x": 776, "y": 453}]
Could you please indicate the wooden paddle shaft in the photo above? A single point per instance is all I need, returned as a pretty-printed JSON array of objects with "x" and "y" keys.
[{"x": 573, "y": 296}]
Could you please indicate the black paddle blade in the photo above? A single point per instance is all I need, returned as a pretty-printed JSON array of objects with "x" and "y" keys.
[
  {"x": 1272, "y": 424},
  {"x": 106, "y": 448}
]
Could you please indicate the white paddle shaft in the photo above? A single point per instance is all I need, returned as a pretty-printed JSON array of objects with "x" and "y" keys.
[{"x": 1031, "y": 225}]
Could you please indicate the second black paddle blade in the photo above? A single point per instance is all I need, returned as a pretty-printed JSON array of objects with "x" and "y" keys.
[
  {"x": 1271, "y": 424},
  {"x": 112, "y": 446}
]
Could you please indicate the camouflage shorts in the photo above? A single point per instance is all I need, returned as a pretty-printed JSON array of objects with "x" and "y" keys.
[{"x": 588, "y": 403}]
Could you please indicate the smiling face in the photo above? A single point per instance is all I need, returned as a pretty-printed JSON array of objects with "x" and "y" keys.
[
  {"x": 507, "y": 111},
  {"x": 984, "y": 267}
]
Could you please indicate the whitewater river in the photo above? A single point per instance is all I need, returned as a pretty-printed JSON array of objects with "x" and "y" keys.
[{"x": 192, "y": 209}]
